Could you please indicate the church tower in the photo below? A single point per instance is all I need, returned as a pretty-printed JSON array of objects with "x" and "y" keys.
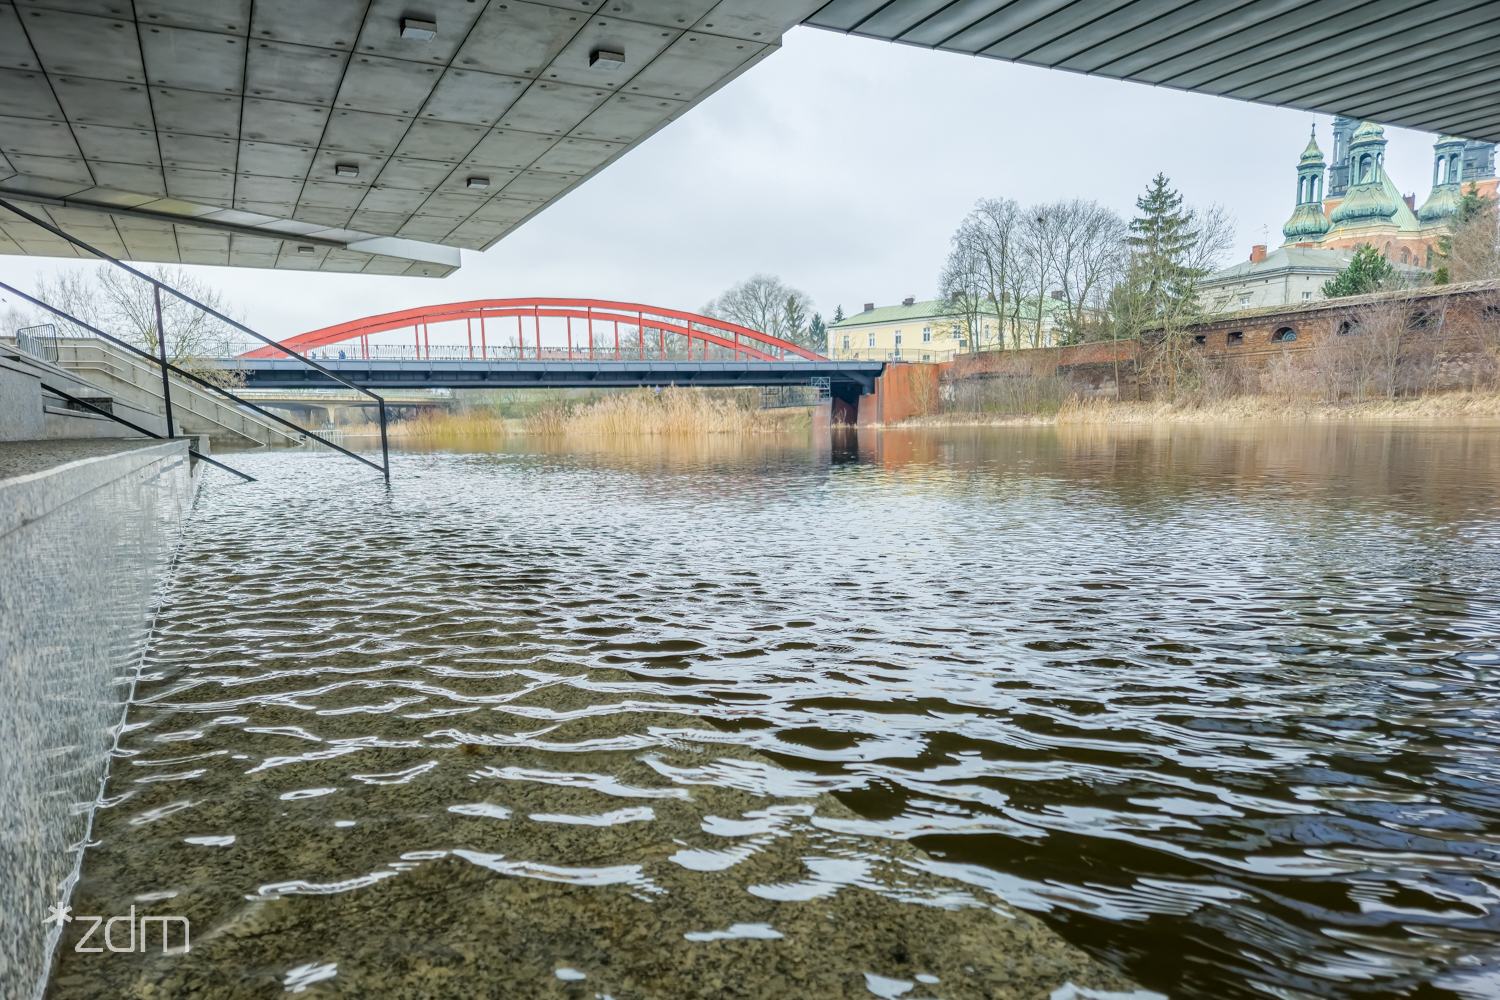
[
  {"x": 1368, "y": 200},
  {"x": 1308, "y": 224},
  {"x": 1448, "y": 176},
  {"x": 1338, "y": 173}
]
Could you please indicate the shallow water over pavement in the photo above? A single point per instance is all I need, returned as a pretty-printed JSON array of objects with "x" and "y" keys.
[{"x": 1216, "y": 705}]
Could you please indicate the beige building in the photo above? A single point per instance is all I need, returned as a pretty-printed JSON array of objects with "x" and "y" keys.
[{"x": 924, "y": 331}]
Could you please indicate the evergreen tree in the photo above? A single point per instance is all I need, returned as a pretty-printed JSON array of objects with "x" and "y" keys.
[
  {"x": 838, "y": 314},
  {"x": 1368, "y": 272},
  {"x": 817, "y": 334},
  {"x": 1163, "y": 281}
]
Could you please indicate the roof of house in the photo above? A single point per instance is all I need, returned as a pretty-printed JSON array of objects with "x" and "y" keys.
[
  {"x": 1298, "y": 259},
  {"x": 933, "y": 309}
]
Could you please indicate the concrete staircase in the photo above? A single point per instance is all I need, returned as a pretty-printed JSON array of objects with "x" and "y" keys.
[{"x": 135, "y": 382}]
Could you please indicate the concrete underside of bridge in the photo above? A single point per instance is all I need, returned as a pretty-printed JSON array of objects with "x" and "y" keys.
[
  {"x": 382, "y": 137},
  {"x": 847, "y": 379}
]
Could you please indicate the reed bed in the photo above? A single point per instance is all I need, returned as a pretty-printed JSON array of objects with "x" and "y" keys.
[
  {"x": 673, "y": 412},
  {"x": 441, "y": 427}
]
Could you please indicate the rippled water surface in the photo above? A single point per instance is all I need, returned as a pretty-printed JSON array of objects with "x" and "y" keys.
[{"x": 1216, "y": 706}]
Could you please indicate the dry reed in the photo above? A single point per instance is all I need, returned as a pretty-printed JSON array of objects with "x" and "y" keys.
[
  {"x": 674, "y": 411},
  {"x": 443, "y": 426}
]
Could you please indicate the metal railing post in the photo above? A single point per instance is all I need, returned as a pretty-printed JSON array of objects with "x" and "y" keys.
[{"x": 161, "y": 346}]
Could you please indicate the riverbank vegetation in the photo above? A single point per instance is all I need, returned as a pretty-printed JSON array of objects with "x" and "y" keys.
[{"x": 673, "y": 411}]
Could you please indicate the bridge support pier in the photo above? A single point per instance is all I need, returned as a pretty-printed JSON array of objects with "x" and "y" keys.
[{"x": 822, "y": 425}]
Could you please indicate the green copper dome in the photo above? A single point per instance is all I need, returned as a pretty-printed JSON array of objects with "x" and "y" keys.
[
  {"x": 1307, "y": 224},
  {"x": 1366, "y": 132},
  {"x": 1365, "y": 203}
]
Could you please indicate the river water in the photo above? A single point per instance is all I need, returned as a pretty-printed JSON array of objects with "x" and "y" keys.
[{"x": 1216, "y": 707}]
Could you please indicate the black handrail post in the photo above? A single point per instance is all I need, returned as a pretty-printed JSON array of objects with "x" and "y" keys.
[
  {"x": 385, "y": 452},
  {"x": 161, "y": 346}
]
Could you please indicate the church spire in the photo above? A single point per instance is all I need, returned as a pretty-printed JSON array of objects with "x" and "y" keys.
[{"x": 1308, "y": 224}]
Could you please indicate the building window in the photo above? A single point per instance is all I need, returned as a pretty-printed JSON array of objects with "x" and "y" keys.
[
  {"x": 1283, "y": 336},
  {"x": 1200, "y": 340},
  {"x": 872, "y": 341},
  {"x": 926, "y": 334},
  {"x": 846, "y": 341},
  {"x": 1307, "y": 296},
  {"x": 898, "y": 338},
  {"x": 927, "y": 357},
  {"x": 1235, "y": 339},
  {"x": 1244, "y": 300}
]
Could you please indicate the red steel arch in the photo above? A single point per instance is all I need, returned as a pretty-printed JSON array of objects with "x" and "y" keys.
[{"x": 752, "y": 344}]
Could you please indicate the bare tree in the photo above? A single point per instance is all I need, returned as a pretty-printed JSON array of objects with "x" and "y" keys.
[
  {"x": 1088, "y": 253},
  {"x": 765, "y": 303}
]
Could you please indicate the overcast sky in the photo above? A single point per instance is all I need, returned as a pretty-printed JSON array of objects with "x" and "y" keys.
[{"x": 842, "y": 165}]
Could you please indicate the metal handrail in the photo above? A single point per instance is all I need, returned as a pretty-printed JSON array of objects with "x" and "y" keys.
[
  {"x": 201, "y": 381},
  {"x": 384, "y": 468},
  {"x": 137, "y": 427}
]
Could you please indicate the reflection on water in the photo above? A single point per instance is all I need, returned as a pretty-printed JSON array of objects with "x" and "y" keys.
[{"x": 728, "y": 719}]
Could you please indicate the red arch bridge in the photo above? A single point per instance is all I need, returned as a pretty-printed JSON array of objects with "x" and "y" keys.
[{"x": 549, "y": 342}]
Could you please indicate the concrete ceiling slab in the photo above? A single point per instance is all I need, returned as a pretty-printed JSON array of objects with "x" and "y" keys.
[
  {"x": 753, "y": 20},
  {"x": 414, "y": 174},
  {"x": 451, "y": 205},
  {"x": 381, "y": 32},
  {"x": 281, "y": 121},
  {"x": 232, "y": 16},
  {"x": 63, "y": 170},
  {"x": 576, "y": 156},
  {"x": 39, "y": 138},
  {"x": 267, "y": 159},
  {"x": 104, "y": 102},
  {"x": 202, "y": 187},
  {"x": 15, "y": 48},
  {"x": 196, "y": 113},
  {"x": 28, "y": 94},
  {"x": 639, "y": 43},
  {"x": 380, "y": 223},
  {"x": 627, "y": 117},
  {"x": 335, "y": 26},
  {"x": 193, "y": 60},
  {"x": 238, "y": 114},
  {"x": 553, "y": 108},
  {"x": 392, "y": 201},
  {"x": 432, "y": 140},
  {"x": 517, "y": 39},
  {"x": 301, "y": 74},
  {"x": 472, "y": 97},
  {"x": 364, "y": 132},
  {"x": 425, "y": 227},
  {"x": 386, "y": 86},
  {"x": 509, "y": 148},
  {"x": 539, "y": 184},
  {"x": 145, "y": 180},
  {"x": 103, "y": 48},
  {"x": 122, "y": 145},
  {"x": 272, "y": 190},
  {"x": 692, "y": 65},
  {"x": 198, "y": 152}
]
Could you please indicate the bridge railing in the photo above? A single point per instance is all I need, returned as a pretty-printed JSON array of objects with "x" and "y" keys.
[
  {"x": 575, "y": 329},
  {"x": 168, "y": 368}
]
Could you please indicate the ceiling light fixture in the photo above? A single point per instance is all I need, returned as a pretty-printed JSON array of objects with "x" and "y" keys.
[
  {"x": 605, "y": 59},
  {"x": 422, "y": 31},
  {"x": 479, "y": 183},
  {"x": 347, "y": 169}
]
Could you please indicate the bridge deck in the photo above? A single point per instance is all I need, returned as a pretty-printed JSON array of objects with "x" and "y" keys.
[{"x": 847, "y": 378}]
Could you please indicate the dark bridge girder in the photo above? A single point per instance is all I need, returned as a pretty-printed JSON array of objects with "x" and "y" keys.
[{"x": 847, "y": 379}]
